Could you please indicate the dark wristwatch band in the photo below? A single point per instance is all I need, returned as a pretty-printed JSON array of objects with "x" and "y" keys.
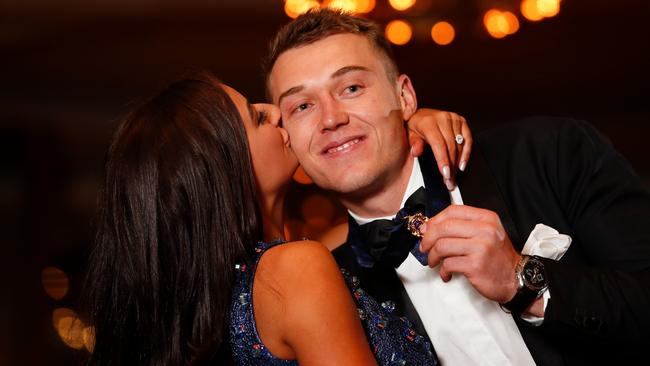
[{"x": 521, "y": 301}]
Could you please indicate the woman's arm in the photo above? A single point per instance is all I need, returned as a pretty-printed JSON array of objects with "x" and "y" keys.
[
  {"x": 439, "y": 129},
  {"x": 304, "y": 310}
]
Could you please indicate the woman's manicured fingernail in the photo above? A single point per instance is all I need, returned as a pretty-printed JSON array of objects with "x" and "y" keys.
[
  {"x": 449, "y": 184},
  {"x": 462, "y": 166},
  {"x": 445, "y": 172}
]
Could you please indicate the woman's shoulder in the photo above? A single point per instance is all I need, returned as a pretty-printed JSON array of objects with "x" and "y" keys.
[
  {"x": 291, "y": 283},
  {"x": 297, "y": 261},
  {"x": 299, "y": 248}
]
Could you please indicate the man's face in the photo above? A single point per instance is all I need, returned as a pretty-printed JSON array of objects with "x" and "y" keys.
[{"x": 344, "y": 116}]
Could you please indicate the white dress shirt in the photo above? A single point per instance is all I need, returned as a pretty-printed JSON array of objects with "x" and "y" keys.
[{"x": 464, "y": 327}]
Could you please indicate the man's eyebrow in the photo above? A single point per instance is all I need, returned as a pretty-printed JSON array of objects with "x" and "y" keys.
[
  {"x": 337, "y": 74},
  {"x": 291, "y": 91},
  {"x": 344, "y": 70}
]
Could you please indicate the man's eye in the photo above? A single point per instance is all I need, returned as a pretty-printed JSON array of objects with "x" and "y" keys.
[
  {"x": 301, "y": 107},
  {"x": 352, "y": 89},
  {"x": 261, "y": 117}
]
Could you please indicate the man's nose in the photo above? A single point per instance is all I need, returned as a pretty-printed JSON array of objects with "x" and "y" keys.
[{"x": 333, "y": 114}]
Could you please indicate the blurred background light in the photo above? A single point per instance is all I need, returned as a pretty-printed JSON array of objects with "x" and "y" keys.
[
  {"x": 365, "y": 6},
  {"x": 69, "y": 327},
  {"x": 529, "y": 10},
  {"x": 513, "y": 22},
  {"x": 293, "y": 8},
  {"x": 500, "y": 23},
  {"x": 55, "y": 282},
  {"x": 401, "y": 5},
  {"x": 349, "y": 6},
  {"x": 399, "y": 32},
  {"x": 443, "y": 33},
  {"x": 548, "y": 8},
  {"x": 535, "y": 10},
  {"x": 88, "y": 337}
]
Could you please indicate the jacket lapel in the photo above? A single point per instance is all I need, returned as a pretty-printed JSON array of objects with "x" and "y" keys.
[{"x": 479, "y": 189}]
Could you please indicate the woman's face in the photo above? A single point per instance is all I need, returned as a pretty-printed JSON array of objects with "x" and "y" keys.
[{"x": 273, "y": 160}]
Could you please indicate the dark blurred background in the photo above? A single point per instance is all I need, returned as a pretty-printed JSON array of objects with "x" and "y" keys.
[{"x": 69, "y": 69}]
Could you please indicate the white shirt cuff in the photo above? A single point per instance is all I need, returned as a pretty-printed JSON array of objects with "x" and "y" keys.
[
  {"x": 538, "y": 320},
  {"x": 544, "y": 241}
]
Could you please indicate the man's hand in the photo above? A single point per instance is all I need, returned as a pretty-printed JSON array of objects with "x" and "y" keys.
[
  {"x": 439, "y": 130},
  {"x": 472, "y": 241}
]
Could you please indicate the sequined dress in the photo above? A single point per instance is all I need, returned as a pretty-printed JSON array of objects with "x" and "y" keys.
[{"x": 392, "y": 339}]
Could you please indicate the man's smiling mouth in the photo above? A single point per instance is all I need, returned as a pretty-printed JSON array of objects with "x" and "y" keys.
[{"x": 338, "y": 147}]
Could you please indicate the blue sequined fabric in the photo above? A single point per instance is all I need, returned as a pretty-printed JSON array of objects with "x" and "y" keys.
[{"x": 391, "y": 338}]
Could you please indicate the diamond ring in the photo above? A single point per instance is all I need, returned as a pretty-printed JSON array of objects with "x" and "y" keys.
[{"x": 460, "y": 139}]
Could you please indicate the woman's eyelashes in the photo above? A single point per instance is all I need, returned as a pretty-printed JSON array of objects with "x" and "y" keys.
[{"x": 261, "y": 116}]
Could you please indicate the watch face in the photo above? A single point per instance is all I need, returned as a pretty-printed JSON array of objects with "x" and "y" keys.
[{"x": 533, "y": 275}]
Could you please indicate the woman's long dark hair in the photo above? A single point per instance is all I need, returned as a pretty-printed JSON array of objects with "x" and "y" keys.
[{"x": 178, "y": 210}]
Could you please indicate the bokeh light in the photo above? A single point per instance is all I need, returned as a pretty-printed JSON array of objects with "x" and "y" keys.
[
  {"x": 69, "y": 327},
  {"x": 500, "y": 23},
  {"x": 352, "y": 6},
  {"x": 365, "y": 6},
  {"x": 301, "y": 177},
  {"x": 443, "y": 33},
  {"x": 513, "y": 22},
  {"x": 535, "y": 10},
  {"x": 401, "y": 4},
  {"x": 293, "y": 8},
  {"x": 55, "y": 282},
  {"x": 61, "y": 313},
  {"x": 88, "y": 337},
  {"x": 529, "y": 10},
  {"x": 548, "y": 8},
  {"x": 349, "y": 6},
  {"x": 399, "y": 32}
]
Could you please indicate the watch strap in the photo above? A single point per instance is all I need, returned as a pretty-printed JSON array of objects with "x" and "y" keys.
[
  {"x": 524, "y": 295},
  {"x": 521, "y": 301}
]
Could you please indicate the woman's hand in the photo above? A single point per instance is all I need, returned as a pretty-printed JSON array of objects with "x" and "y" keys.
[{"x": 439, "y": 129}]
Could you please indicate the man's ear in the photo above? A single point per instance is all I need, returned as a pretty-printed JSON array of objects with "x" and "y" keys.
[{"x": 408, "y": 99}]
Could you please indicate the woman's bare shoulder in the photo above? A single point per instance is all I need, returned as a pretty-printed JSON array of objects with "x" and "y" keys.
[{"x": 303, "y": 258}]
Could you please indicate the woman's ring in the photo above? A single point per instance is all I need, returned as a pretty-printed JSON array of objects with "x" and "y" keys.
[{"x": 460, "y": 139}]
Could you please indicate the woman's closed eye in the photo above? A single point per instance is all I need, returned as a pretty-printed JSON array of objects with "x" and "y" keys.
[{"x": 261, "y": 116}]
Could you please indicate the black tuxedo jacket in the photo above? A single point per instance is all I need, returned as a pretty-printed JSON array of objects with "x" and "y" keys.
[{"x": 564, "y": 174}]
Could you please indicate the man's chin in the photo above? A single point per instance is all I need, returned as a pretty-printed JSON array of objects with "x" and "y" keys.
[{"x": 345, "y": 184}]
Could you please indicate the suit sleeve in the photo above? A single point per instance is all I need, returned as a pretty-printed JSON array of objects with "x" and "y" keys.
[{"x": 604, "y": 297}]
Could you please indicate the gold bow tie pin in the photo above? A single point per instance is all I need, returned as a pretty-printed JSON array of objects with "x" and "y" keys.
[{"x": 415, "y": 222}]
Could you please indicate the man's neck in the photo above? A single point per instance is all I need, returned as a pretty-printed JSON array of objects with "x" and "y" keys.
[{"x": 384, "y": 200}]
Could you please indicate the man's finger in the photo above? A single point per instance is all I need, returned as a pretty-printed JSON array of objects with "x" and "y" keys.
[
  {"x": 454, "y": 228},
  {"x": 453, "y": 265},
  {"x": 464, "y": 212}
]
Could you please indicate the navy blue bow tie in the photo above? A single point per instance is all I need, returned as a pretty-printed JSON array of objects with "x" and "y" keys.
[{"x": 389, "y": 242}]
